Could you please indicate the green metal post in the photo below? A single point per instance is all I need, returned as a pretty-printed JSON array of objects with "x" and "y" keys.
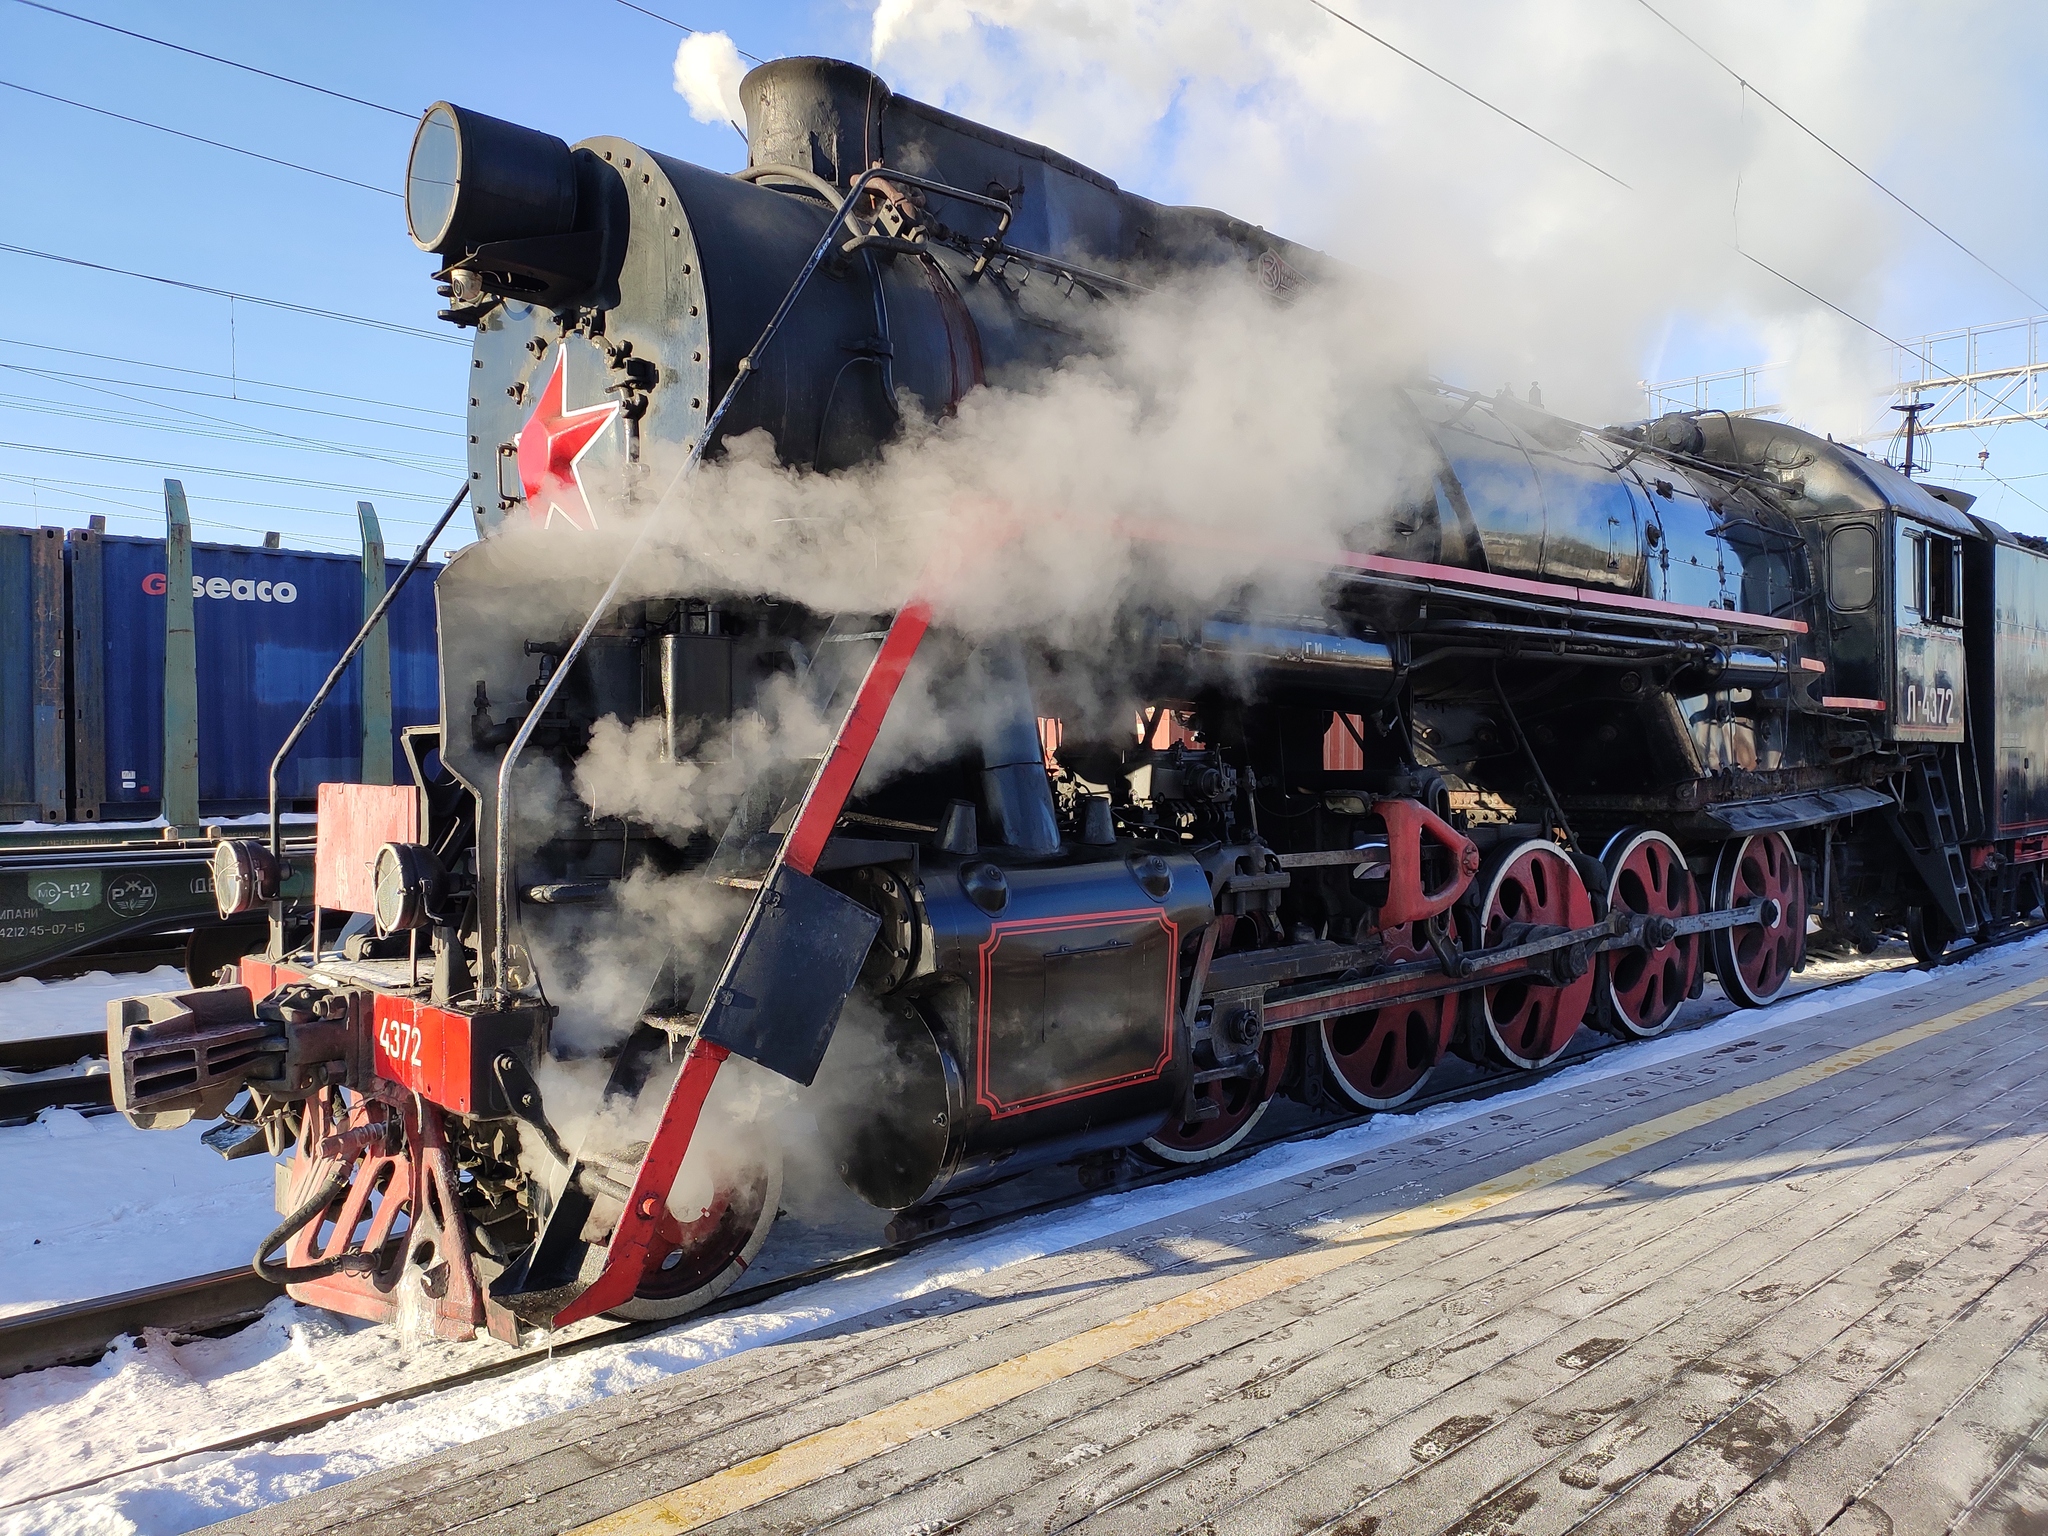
[
  {"x": 376, "y": 665},
  {"x": 181, "y": 667}
]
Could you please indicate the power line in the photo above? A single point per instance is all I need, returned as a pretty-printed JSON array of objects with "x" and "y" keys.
[
  {"x": 404, "y": 460},
  {"x": 238, "y": 379},
  {"x": 60, "y": 376},
  {"x": 693, "y": 31},
  {"x": 1824, "y": 144},
  {"x": 30, "y": 405},
  {"x": 304, "y": 85},
  {"x": 1336, "y": 15},
  {"x": 120, "y": 117},
  {"x": 224, "y": 293},
  {"x": 199, "y": 520},
  {"x": 82, "y": 487},
  {"x": 206, "y": 469},
  {"x": 1765, "y": 266}
]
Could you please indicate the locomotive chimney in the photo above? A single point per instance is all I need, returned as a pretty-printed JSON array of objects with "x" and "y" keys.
[{"x": 818, "y": 115}]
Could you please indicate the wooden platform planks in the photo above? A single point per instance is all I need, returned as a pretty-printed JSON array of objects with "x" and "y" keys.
[{"x": 1822, "y": 1305}]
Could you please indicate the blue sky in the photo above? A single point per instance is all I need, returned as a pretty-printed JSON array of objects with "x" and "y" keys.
[{"x": 282, "y": 420}]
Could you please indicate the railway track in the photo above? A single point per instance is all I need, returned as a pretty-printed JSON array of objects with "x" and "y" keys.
[
  {"x": 218, "y": 1303},
  {"x": 47, "y": 1086}
]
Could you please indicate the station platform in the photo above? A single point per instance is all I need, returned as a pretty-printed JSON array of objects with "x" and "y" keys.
[{"x": 1793, "y": 1283}]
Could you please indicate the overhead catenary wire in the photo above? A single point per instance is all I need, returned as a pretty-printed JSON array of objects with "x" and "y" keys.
[
  {"x": 242, "y": 380},
  {"x": 1582, "y": 160},
  {"x": 679, "y": 26},
  {"x": 1470, "y": 95},
  {"x": 226, "y": 293},
  {"x": 420, "y": 464},
  {"x": 152, "y": 495},
  {"x": 208, "y": 469},
  {"x": 58, "y": 375},
  {"x": 1750, "y": 87},
  {"x": 122, "y": 117},
  {"x": 214, "y": 58},
  {"x": 238, "y": 431}
]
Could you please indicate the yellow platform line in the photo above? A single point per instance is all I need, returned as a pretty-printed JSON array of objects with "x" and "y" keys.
[{"x": 833, "y": 1450}]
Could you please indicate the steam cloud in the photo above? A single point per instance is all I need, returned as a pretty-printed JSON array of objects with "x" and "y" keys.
[
  {"x": 708, "y": 74},
  {"x": 1513, "y": 261}
]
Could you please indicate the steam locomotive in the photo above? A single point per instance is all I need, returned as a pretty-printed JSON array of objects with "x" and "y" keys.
[{"x": 1596, "y": 713}]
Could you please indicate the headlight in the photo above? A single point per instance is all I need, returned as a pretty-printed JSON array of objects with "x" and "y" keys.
[
  {"x": 407, "y": 881},
  {"x": 474, "y": 179},
  {"x": 244, "y": 876}
]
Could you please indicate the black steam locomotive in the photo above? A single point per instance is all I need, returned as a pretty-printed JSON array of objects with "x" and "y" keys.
[{"x": 1597, "y": 712}]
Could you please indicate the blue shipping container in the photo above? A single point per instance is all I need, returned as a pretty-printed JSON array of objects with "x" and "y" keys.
[{"x": 268, "y": 625}]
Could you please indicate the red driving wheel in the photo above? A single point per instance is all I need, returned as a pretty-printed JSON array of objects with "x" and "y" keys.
[
  {"x": 1240, "y": 1102},
  {"x": 1756, "y": 960},
  {"x": 1646, "y": 875},
  {"x": 1379, "y": 1057},
  {"x": 1527, "y": 1023},
  {"x": 691, "y": 1263}
]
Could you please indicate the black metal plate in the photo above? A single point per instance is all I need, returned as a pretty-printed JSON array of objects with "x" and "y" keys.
[{"x": 796, "y": 961}]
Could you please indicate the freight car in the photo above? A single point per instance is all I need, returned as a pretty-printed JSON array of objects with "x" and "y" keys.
[
  {"x": 135, "y": 708},
  {"x": 1615, "y": 708}
]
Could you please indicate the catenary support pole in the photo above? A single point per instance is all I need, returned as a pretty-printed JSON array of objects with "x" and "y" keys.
[{"x": 181, "y": 667}]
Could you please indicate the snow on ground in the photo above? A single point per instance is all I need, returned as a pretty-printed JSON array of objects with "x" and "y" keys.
[
  {"x": 69, "y": 1425},
  {"x": 94, "y": 1207},
  {"x": 34, "y": 1010}
]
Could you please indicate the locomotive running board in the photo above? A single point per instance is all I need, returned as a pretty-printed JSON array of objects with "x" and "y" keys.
[{"x": 776, "y": 1001}]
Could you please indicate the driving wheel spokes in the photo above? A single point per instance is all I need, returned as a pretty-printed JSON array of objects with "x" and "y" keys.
[
  {"x": 1527, "y": 1023},
  {"x": 1756, "y": 960},
  {"x": 703, "y": 1245},
  {"x": 1240, "y": 1103},
  {"x": 1379, "y": 1058},
  {"x": 1643, "y": 988}
]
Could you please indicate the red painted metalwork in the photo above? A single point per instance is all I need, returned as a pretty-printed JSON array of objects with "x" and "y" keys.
[
  {"x": 1486, "y": 581},
  {"x": 425, "y": 1049},
  {"x": 826, "y": 797},
  {"x": 1238, "y": 1101},
  {"x": 637, "y": 1243},
  {"x": 1381, "y": 1056},
  {"x": 400, "y": 1211},
  {"x": 1478, "y": 581},
  {"x": 635, "y": 1240},
  {"x": 1528, "y": 1022},
  {"x": 1835, "y": 701},
  {"x": 1000, "y": 1108},
  {"x": 418, "y": 1047},
  {"x": 355, "y": 821},
  {"x": 1408, "y": 823}
]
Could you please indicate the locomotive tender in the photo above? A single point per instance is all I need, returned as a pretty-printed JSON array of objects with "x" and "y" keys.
[{"x": 1600, "y": 711}]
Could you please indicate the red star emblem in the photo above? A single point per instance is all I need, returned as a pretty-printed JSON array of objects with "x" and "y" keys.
[{"x": 551, "y": 444}]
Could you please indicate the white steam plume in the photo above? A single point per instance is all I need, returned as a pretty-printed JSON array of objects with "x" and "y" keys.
[
  {"x": 708, "y": 75},
  {"x": 1516, "y": 262}
]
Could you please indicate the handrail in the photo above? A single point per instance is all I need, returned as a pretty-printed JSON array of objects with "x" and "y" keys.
[{"x": 340, "y": 667}]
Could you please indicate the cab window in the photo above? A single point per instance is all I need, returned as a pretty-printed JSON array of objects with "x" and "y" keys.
[
  {"x": 1936, "y": 582},
  {"x": 1852, "y": 568}
]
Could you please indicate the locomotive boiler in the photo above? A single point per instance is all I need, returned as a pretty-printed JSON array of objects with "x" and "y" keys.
[{"x": 1596, "y": 713}]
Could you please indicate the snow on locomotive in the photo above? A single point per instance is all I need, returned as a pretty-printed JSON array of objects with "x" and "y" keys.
[{"x": 1599, "y": 712}]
